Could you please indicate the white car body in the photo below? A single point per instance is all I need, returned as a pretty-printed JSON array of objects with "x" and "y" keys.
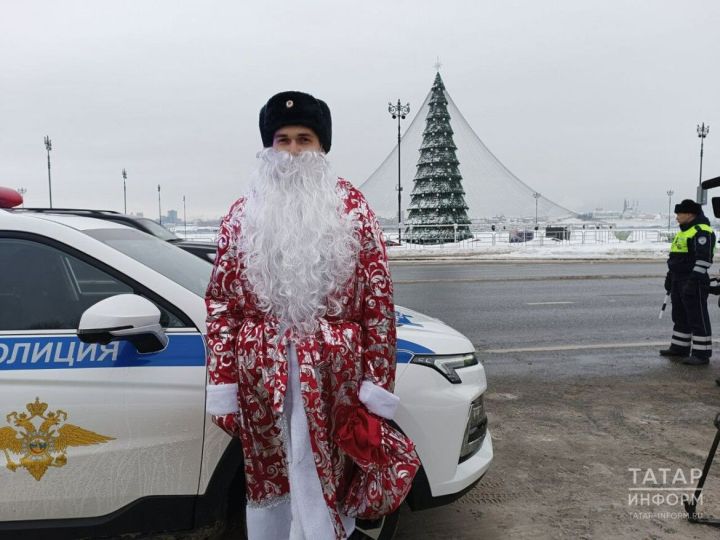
[{"x": 150, "y": 440}]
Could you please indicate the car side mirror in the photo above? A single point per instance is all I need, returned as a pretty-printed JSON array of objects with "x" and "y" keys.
[
  {"x": 716, "y": 206},
  {"x": 124, "y": 317}
]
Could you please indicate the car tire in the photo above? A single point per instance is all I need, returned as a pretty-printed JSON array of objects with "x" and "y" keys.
[{"x": 377, "y": 529}]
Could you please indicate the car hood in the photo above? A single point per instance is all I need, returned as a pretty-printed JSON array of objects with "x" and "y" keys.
[{"x": 412, "y": 321}]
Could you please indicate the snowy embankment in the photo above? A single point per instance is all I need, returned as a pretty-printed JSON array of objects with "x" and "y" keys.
[
  {"x": 585, "y": 247},
  {"x": 643, "y": 249}
]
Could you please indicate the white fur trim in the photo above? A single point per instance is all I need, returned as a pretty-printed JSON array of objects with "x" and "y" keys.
[
  {"x": 378, "y": 400},
  {"x": 221, "y": 399}
]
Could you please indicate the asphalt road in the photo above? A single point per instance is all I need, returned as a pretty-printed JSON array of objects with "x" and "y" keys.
[
  {"x": 568, "y": 429},
  {"x": 519, "y": 305},
  {"x": 577, "y": 398}
]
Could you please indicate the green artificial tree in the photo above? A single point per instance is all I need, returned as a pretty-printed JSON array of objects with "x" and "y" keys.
[{"x": 437, "y": 211}]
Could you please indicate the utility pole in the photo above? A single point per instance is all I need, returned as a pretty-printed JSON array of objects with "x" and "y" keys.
[
  {"x": 159, "y": 206},
  {"x": 399, "y": 111},
  {"x": 702, "y": 131},
  {"x": 537, "y": 196},
  {"x": 184, "y": 216},
  {"x": 48, "y": 147},
  {"x": 670, "y": 193},
  {"x": 124, "y": 175}
]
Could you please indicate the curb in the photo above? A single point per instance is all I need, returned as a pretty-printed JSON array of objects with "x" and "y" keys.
[{"x": 549, "y": 259}]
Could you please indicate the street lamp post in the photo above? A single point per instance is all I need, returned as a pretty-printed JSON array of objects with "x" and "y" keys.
[
  {"x": 670, "y": 193},
  {"x": 22, "y": 191},
  {"x": 399, "y": 111},
  {"x": 48, "y": 147},
  {"x": 159, "y": 206},
  {"x": 537, "y": 196},
  {"x": 702, "y": 131},
  {"x": 184, "y": 216},
  {"x": 124, "y": 175}
]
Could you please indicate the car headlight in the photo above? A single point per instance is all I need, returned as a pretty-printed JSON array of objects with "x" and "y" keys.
[{"x": 446, "y": 363}]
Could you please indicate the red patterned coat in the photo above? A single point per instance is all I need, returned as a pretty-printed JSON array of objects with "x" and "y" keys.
[{"x": 353, "y": 348}]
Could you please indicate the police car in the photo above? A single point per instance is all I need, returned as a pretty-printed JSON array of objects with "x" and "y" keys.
[
  {"x": 103, "y": 429},
  {"x": 204, "y": 250}
]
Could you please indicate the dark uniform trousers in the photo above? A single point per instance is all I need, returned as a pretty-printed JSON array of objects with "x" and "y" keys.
[{"x": 690, "y": 316}]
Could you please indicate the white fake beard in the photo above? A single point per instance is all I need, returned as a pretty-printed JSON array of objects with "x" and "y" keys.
[{"x": 299, "y": 243}]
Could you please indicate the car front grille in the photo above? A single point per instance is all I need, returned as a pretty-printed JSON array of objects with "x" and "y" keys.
[{"x": 475, "y": 430}]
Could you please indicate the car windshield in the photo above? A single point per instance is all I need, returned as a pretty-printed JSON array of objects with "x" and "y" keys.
[
  {"x": 156, "y": 229},
  {"x": 185, "y": 269}
]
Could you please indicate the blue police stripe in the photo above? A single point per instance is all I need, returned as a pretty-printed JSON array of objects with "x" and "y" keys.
[
  {"x": 68, "y": 352},
  {"x": 407, "y": 349}
]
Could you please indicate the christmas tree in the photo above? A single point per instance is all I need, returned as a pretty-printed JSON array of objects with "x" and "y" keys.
[{"x": 437, "y": 211}]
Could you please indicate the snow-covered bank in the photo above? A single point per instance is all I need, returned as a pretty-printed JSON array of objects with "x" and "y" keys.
[
  {"x": 597, "y": 245},
  {"x": 548, "y": 251}
]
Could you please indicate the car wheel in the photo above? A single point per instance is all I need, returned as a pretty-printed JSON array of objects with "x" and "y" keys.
[{"x": 376, "y": 529}]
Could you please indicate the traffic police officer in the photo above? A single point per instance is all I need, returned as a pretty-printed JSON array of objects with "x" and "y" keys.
[{"x": 687, "y": 282}]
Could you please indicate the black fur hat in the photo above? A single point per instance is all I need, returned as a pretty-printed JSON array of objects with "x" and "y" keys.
[
  {"x": 296, "y": 108},
  {"x": 688, "y": 206}
]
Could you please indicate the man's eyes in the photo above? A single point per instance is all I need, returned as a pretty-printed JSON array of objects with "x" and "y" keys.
[{"x": 300, "y": 140}]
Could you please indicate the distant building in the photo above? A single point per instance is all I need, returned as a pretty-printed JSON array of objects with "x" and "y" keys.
[
  {"x": 631, "y": 209},
  {"x": 172, "y": 217},
  {"x": 601, "y": 214}
]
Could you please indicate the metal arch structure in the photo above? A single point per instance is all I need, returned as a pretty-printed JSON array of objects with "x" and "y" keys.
[{"x": 492, "y": 190}]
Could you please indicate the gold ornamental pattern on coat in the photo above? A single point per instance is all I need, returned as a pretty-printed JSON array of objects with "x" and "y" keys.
[{"x": 41, "y": 438}]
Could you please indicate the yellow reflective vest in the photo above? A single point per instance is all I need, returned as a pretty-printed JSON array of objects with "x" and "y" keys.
[{"x": 680, "y": 242}]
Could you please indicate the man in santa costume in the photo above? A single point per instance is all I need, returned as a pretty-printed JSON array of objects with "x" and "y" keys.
[{"x": 301, "y": 324}]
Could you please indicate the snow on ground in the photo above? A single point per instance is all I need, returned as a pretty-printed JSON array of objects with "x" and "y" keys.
[
  {"x": 604, "y": 246},
  {"x": 643, "y": 249}
]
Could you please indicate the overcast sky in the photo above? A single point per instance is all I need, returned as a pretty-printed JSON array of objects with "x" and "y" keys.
[{"x": 589, "y": 102}]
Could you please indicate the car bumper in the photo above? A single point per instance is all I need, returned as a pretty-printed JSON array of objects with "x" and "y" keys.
[
  {"x": 421, "y": 496},
  {"x": 469, "y": 471},
  {"x": 437, "y": 425}
]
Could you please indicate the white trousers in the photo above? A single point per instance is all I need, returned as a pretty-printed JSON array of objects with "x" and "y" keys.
[{"x": 305, "y": 516}]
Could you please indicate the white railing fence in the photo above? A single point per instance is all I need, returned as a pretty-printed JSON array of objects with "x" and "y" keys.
[
  {"x": 455, "y": 236},
  {"x": 460, "y": 236}
]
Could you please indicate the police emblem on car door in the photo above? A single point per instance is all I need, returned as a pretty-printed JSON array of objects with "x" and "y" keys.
[{"x": 41, "y": 438}]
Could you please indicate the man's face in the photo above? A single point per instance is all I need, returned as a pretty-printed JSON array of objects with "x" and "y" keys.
[
  {"x": 683, "y": 218},
  {"x": 296, "y": 139}
]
